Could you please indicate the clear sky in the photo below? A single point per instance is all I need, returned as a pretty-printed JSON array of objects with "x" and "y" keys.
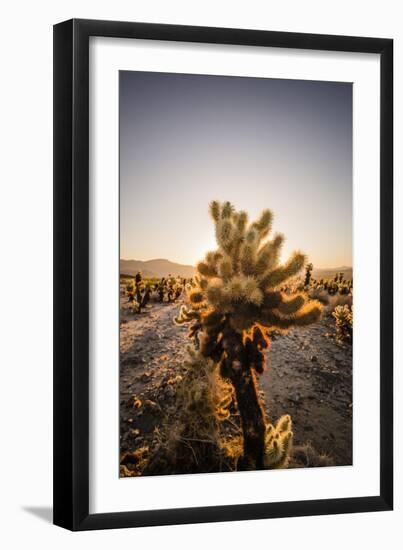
[{"x": 259, "y": 143}]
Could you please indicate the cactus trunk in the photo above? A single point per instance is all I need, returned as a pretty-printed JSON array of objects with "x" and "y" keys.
[
  {"x": 252, "y": 418},
  {"x": 239, "y": 369}
]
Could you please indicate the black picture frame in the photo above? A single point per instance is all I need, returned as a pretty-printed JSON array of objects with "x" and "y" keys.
[{"x": 71, "y": 274}]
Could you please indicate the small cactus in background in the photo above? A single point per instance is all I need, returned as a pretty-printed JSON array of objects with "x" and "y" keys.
[
  {"x": 344, "y": 323},
  {"x": 236, "y": 302},
  {"x": 161, "y": 289},
  {"x": 138, "y": 287},
  {"x": 169, "y": 289},
  {"x": 308, "y": 274},
  {"x": 129, "y": 287},
  {"x": 344, "y": 288},
  {"x": 130, "y": 296},
  {"x": 138, "y": 293},
  {"x": 146, "y": 296},
  {"x": 332, "y": 288}
]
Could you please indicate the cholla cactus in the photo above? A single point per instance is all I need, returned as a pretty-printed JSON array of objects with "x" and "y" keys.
[
  {"x": 146, "y": 296},
  {"x": 169, "y": 289},
  {"x": 344, "y": 323},
  {"x": 308, "y": 274},
  {"x": 129, "y": 287},
  {"x": 278, "y": 442},
  {"x": 344, "y": 288},
  {"x": 139, "y": 287},
  {"x": 161, "y": 289},
  {"x": 236, "y": 302},
  {"x": 332, "y": 288}
]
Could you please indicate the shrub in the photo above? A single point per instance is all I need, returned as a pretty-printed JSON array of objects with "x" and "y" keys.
[{"x": 190, "y": 439}]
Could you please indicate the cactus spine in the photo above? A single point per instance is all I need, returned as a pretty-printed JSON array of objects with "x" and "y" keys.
[{"x": 235, "y": 303}]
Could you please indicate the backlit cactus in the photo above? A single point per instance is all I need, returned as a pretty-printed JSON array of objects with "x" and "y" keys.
[
  {"x": 308, "y": 274},
  {"x": 169, "y": 289},
  {"x": 278, "y": 441},
  {"x": 344, "y": 323},
  {"x": 236, "y": 302},
  {"x": 161, "y": 289}
]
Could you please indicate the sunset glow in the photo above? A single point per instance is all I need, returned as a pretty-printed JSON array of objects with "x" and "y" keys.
[{"x": 259, "y": 143}]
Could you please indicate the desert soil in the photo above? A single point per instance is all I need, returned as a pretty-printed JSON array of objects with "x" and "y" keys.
[{"x": 309, "y": 376}]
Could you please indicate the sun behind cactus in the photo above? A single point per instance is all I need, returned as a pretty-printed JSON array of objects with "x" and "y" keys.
[{"x": 235, "y": 303}]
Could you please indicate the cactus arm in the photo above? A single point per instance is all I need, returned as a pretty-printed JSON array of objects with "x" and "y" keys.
[
  {"x": 279, "y": 275},
  {"x": 309, "y": 313},
  {"x": 268, "y": 255},
  {"x": 291, "y": 305}
]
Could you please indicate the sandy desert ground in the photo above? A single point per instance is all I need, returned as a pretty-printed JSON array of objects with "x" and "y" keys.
[{"x": 309, "y": 376}]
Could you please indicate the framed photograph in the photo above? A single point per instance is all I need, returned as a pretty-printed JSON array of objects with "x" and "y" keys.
[{"x": 223, "y": 259}]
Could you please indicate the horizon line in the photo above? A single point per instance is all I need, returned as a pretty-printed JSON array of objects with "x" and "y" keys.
[{"x": 191, "y": 265}]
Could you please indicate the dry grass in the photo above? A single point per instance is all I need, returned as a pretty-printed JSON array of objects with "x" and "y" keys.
[{"x": 190, "y": 438}]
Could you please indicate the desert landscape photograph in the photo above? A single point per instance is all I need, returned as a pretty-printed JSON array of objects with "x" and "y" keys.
[{"x": 236, "y": 274}]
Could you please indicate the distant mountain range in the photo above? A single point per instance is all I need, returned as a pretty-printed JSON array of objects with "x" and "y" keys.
[
  {"x": 163, "y": 268},
  {"x": 329, "y": 273},
  {"x": 156, "y": 268}
]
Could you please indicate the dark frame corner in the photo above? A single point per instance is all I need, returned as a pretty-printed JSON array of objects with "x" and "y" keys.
[{"x": 71, "y": 274}]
